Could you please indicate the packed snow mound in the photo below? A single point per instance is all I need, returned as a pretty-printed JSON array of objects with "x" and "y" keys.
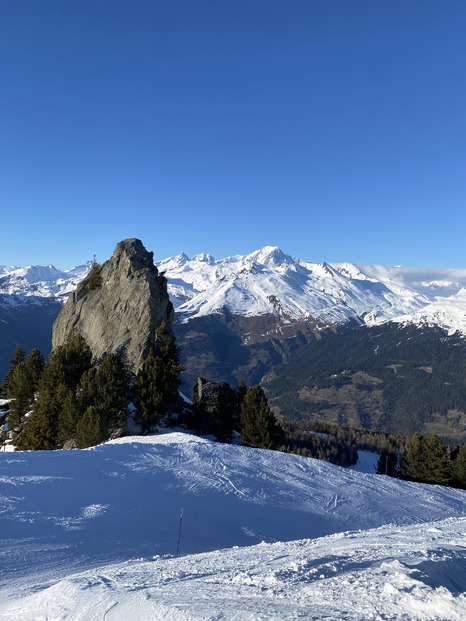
[
  {"x": 392, "y": 573},
  {"x": 68, "y": 511}
]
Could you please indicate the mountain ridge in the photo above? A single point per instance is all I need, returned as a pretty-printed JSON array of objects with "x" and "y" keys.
[{"x": 268, "y": 281}]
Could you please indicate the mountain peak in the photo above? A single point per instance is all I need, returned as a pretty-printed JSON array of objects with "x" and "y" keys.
[
  {"x": 204, "y": 258},
  {"x": 270, "y": 254}
]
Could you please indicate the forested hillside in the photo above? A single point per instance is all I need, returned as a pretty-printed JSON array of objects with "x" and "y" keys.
[{"x": 398, "y": 380}]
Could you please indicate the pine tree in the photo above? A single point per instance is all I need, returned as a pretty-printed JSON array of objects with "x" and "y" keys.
[
  {"x": 36, "y": 364},
  {"x": 20, "y": 356},
  {"x": 22, "y": 386},
  {"x": 89, "y": 429},
  {"x": 436, "y": 460},
  {"x": 387, "y": 463},
  {"x": 458, "y": 467},
  {"x": 61, "y": 375},
  {"x": 94, "y": 278},
  {"x": 157, "y": 382},
  {"x": 41, "y": 430},
  {"x": 67, "y": 363},
  {"x": 21, "y": 392},
  {"x": 111, "y": 383},
  {"x": 225, "y": 413},
  {"x": 259, "y": 427},
  {"x": 68, "y": 416},
  {"x": 413, "y": 464}
]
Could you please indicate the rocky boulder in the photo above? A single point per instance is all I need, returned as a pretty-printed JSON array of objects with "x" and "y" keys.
[{"x": 118, "y": 306}]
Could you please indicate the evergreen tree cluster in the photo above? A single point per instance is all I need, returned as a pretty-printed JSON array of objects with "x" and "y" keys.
[
  {"x": 340, "y": 379},
  {"x": 157, "y": 382},
  {"x": 242, "y": 410},
  {"x": 337, "y": 444},
  {"x": 429, "y": 460},
  {"x": 74, "y": 400},
  {"x": 318, "y": 440}
]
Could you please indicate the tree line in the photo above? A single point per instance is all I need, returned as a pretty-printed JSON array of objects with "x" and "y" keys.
[
  {"x": 74, "y": 400},
  {"x": 429, "y": 460}
]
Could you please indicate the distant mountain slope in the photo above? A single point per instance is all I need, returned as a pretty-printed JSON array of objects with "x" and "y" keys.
[
  {"x": 270, "y": 282},
  {"x": 243, "y": 315},
  {"x": 391, "y": 377},
  {"x": 30, "y": 300}
]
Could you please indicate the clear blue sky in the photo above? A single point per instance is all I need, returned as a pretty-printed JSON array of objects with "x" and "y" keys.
[{"x": 335, "y": 129}]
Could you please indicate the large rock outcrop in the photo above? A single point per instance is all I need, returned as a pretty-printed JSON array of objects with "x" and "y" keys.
[{"x": 118, "y": 308}]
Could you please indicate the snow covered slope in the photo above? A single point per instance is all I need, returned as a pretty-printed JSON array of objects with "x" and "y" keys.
[
  {"x": 392, "y": 573},
  {"x": 270, "y": 282},
  {"x": 41, "y": 282},
  {"x": 68, "y": 512}
]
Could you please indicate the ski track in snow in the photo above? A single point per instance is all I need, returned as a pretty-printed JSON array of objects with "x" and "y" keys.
[{"x": 92, "y": 535}]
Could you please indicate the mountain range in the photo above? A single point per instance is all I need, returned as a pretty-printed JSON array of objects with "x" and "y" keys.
[
  {"x": 270, "y": 282},
  {"x": 265, "y": 316}
]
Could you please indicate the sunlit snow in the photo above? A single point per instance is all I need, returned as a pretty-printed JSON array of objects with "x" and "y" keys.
[{"x": 93, "y": 534}]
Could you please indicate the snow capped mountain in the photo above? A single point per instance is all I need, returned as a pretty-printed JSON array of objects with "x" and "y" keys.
[
  {"x": 41, "y": 282},
  {"x": 270, "y": 282},
  {"x": 92, "y": 534}
]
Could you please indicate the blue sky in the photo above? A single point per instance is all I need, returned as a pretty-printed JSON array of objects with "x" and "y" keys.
[{"x": 334, "y": 129}]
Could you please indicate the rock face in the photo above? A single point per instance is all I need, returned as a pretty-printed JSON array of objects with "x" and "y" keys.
[
  {"x": 208, "y": 395},
  {"x": 118, "y": 308}
]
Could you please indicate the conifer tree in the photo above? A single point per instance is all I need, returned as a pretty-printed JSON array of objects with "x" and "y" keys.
[
  {"x": 94, "y": 278},
  {"x": 259, "y": 427},
  {"x": 458, "y": 467},
  {"x": 22, "y": 386},
  {"x": 61, "y": 375},
  {"x": 36, "y": 364},
  {"x": 41, "y": 430},
  {"x": 157, "y": 382},
  {"x": 68, "y": 416},
  {"x": 436, "y": 461},
  {"x": 21, "y": 392},
  {"x": 387, "y": 463},
  {"x": 67, "y": 363},
  {"x": 89, "y": 428},
  {"x": 226, "y": 413},
  {"x": 112, "y": 391},
  {"x": 20, "y": 356},
  {"x": 413, "y": 465}
]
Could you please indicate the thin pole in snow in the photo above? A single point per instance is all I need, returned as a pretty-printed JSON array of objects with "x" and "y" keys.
[{"x": 179, "y": 532}]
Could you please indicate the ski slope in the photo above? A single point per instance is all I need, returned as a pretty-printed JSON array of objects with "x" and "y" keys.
[{"x": 93, "y": 534}]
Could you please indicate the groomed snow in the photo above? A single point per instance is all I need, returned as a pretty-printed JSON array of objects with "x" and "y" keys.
[
  {"x": 265, "y": 535},
  {"x": 391, "y": 573}
]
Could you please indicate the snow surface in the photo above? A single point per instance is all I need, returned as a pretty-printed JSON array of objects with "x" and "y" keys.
[{"x": 265, "y": 535}]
